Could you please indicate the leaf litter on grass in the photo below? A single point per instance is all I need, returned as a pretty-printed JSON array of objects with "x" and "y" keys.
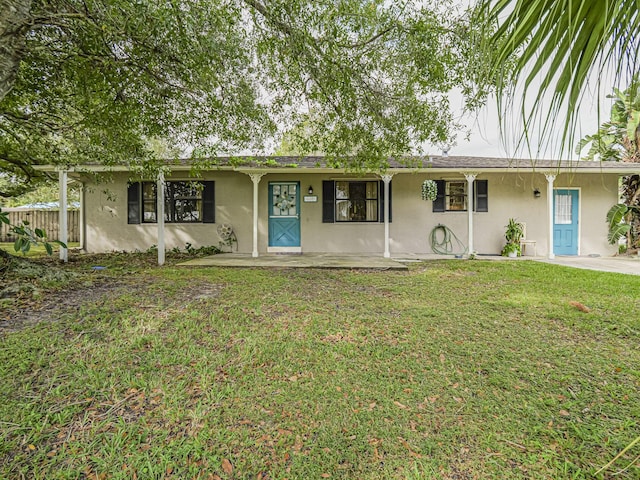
[{"x": 294, "y": 385}]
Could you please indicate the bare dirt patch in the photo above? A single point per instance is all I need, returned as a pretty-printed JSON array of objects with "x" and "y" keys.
[
  {"x": 50, "y": 305},
  {"x": 54, "y": 305},
  {"x": 41, "y": 289}
]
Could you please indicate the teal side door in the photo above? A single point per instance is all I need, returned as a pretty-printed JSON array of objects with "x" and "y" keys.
[
  {"x": 284, "y": 214},
  {"x": 565, "y": 222}
]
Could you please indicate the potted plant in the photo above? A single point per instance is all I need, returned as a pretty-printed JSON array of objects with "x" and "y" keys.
[
  {"x": 513, "y": 235},
  {"x": 511, "y": 250}
]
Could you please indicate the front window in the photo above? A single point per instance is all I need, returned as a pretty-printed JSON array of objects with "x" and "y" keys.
[
  {"x": 456, "y": 196},
  {"x": 149, "y": 202},
  {"x": 356, "y": 201},
  {"x": 184, "y": 202},
  {"x": 453, "y": 196}
]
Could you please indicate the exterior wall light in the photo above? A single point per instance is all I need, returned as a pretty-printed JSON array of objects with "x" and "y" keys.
[
  {"x": 310, "y": 190},
  {"x": 536, "y": 193}
]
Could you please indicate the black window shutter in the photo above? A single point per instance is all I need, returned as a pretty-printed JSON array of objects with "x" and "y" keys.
[
  {"x": 328, "y": 201},
  {"x": 133, "y": 203},
  {"x": 209, "y": 202},
  {"x": 381, "y": 206},
  {"x": 438, "y": 203},
  {"x": 481, "y": 194}
]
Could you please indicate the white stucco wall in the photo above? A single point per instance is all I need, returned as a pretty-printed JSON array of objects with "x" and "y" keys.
[
  {"x": 106, "y": 216},
  {"x": 510, "y": 195}
]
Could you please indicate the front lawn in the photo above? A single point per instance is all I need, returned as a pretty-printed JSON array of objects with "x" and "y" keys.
[{"x": 452, "y": 370}]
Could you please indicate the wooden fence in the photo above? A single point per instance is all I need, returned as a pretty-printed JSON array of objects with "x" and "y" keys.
[{"x": 47, "y": 220}]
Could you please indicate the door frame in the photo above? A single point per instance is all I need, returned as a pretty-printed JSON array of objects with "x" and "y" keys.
[
  {"x": 578, "y": 219},
  {"x": 285, "y": 249}
]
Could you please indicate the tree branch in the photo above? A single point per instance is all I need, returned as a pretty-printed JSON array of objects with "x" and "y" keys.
[{"x": 14, "y": 22}]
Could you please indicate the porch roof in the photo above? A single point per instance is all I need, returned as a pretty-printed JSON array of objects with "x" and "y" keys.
[{"x": 409, "y": 164}]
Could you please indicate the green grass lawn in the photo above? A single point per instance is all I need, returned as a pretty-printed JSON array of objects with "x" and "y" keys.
[
  {"x": 36, "y": 250},
  {"x": 452, "y": 370}
]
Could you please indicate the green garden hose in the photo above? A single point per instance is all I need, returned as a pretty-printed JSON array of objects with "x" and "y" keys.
[{"x": 442, "y": 240}]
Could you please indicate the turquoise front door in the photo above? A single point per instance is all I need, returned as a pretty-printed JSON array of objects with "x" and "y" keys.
[
  {"x": 565, "y": 222},
  {"x": 284, "y": 214}
]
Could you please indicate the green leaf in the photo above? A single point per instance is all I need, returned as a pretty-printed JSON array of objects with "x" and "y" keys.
[
  {"x": 228, "y": 75},
  {"x": 17, "y": 245},
  {"x": 617, "y": 232},
  {"x": 48, "y": 248},
  {"x": 616, "y": 213},
  {"x": 40, "y": 233},
  {"x": 615, "y": 218}
]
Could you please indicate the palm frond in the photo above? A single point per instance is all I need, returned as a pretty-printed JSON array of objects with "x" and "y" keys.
[{"x": 557, "y": 46}]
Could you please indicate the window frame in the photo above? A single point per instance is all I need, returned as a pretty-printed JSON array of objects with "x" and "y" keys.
[
  {"x": 330, "y": 200},
  {"x": 357, "y": 196},
  {"x": 480, "y": 196},
  {"x": 456, "y": 196},
  {"x": 178, "y": 197},
  {"x": 142, "y": 199}
]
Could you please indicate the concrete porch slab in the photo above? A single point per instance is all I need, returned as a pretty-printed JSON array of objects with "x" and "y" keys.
[
  {"x": 305, "y": 260},
  {"x": 626, "y": 265}
]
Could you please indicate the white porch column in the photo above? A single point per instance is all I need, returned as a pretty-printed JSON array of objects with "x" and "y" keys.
[
  {"x": 63, "y": 227},
  {"x": 386, "y": 178},
  {"x": 160, "y": 217},
  {"x": 255, "y": 178},
  {"x": 550, "y": 180},
  {"x": 470, "y": 179},
  {"x": 82, "y": 222}
]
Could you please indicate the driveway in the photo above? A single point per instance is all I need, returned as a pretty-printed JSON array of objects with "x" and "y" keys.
[{"x": 627, "y": 265}]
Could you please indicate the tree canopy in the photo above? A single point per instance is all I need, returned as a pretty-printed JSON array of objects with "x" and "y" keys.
[
  {"x": 97, "y": 80},
  {"x": 618, "y": 139}
]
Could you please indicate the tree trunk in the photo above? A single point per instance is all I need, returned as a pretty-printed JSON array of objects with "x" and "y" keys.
[
  {"x": 631, "y": 195},
  {"x": 14, "y": 23}
]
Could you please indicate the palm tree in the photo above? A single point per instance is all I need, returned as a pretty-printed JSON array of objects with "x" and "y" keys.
[{"x": 554, "y": 47}]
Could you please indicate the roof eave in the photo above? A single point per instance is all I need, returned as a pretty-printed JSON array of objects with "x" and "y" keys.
[{"x": 624, "y": 169}]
